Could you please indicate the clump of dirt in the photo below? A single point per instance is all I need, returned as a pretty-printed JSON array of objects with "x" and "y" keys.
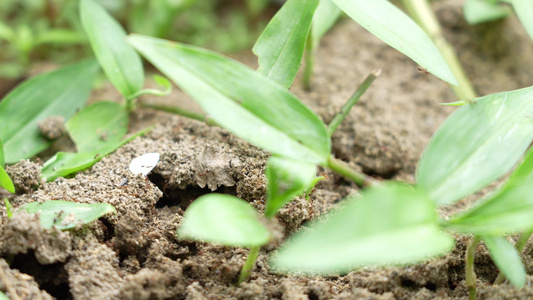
[
  {"x": 52, "y": 127},
  {"x": 26, "y": 176},
  {"x": 135, "y": 254}
]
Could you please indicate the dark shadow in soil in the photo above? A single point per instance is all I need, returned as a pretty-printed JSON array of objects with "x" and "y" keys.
[
  {"x": 183, "y": 198},
  {"x": 51, "y": 278}
]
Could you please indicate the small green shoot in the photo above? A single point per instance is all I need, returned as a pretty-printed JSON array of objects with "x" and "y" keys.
[
  {"x": 60, "y": 92},
  {"x": 507, "y": 259},
  {"x": 65, "y": 214},
  {"x": 3, "y": 296},
  {"x": 5, "y": 181},
  {"x": 286, "y": 179},
  {"x": 223, "y": 219},
  {"x": 97, "y": 130},
  {"x": 9, "y": 208},
  {"x": 281, "y": 45}
]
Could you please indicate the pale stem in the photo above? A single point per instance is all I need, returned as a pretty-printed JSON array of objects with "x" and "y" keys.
[
  {"x": 470, "y": 274},
  {"x": 249, "y": 264},
  {"x": 421, "y": 12}
]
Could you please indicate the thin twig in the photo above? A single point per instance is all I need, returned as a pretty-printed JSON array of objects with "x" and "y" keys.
[{"x": 337, "y": 120}]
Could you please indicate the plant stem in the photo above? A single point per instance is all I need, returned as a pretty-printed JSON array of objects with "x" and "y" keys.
[
  {"x": 309, "y": 55},
  {"x": 343, "y": 169},
  {"x": 470, "y": 274},
  {"x": 249, "y": 264},
  {"x": 337, "y": 120},
  {"x": 180, "y": 111},
  {"x": 520, "y": 244},
  {"x": 421, "y": 12}
]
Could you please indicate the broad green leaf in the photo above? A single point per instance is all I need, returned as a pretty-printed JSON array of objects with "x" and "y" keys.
[
  {"x": 281, "y": 45},
  {"x": 507, "y": 259},
  {"x": 287, "y": 179},
  {"x": 241, "y": 100},
  {"x": 65, "y": 163},
  {"x": 61, "y": 92},
  {"x": 325, "y": 17},
  {"x": 66, "y": 214},
  {"x": 390, "y": 224},
  {"x": 98, "y": 125},
  {"x": 479, "y": 11},
  {"x": 524, "y": 11},
  {"x": 225, "y": 220},
  {"x": 509, "y": 210},
  {"x": 5, "y": 181},
  {"x": 119, "y": 60},
  {"x": 395, "y": 28},
  {"x": 477, "y": 144}
]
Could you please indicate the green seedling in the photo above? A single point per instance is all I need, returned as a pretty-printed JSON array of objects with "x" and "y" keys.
[
  {"x": 281, "y": 45},
  {"x": 65, "y": 214},
  {"x": 97, "y": 130},
  {"x": 9, "y": 208},
  {"x": 60, "y": 92},
  {"x": 118, "y": 59},
  {"x": 5, "y": 181},
  {"x": 24, "y": 37},
  {"x": 464, "y": 155}
]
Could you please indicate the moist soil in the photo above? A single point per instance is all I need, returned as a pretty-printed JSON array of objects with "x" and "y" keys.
[{"x": 135, "y": 253}]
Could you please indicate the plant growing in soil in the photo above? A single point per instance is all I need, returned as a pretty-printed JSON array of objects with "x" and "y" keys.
[{"x": 392, "y": 223}]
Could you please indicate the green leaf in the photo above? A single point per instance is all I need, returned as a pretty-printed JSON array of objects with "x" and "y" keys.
[
  {"x": 64, "y": 163},
  {"x": 9, "y": 208},
  {"x": 61, "y": 92},
  {"x": 524, "y": 11},
  {"x": 66, "y": 214},
  {"x": 225, "y": 220},
  {"x": 119, "y": 60},
  {"x": 395, "y": 28},
  {"x": 6, "y": 33},
  {"x": 390, "y": 224},
  {"x": 281, "y": 45},
  {"x": 509, "y": 210},
  {"x": 325, "y": 17},
  {"x": 5, "y": 181},
  {"x": 479, "y": 11},
  {"x": 2, "y": 161},
  {"x": 287, "y": 179},
  {"x": 3, "y": 296},
  {"x": 98, "y": 125},
  {"x": 507, "y": 259},
  {"x": 478, "y": 143},
  {"x": 241, "y": 100}
]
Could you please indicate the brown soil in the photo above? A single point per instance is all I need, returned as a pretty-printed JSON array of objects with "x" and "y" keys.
[{"x": 135, "y": 254}]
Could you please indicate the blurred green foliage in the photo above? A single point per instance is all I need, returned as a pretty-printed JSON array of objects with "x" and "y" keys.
[{"x": 50, "y": 30}]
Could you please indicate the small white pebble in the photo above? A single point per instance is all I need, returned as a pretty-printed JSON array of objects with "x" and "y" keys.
[{"x": 144, "y": 163}]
